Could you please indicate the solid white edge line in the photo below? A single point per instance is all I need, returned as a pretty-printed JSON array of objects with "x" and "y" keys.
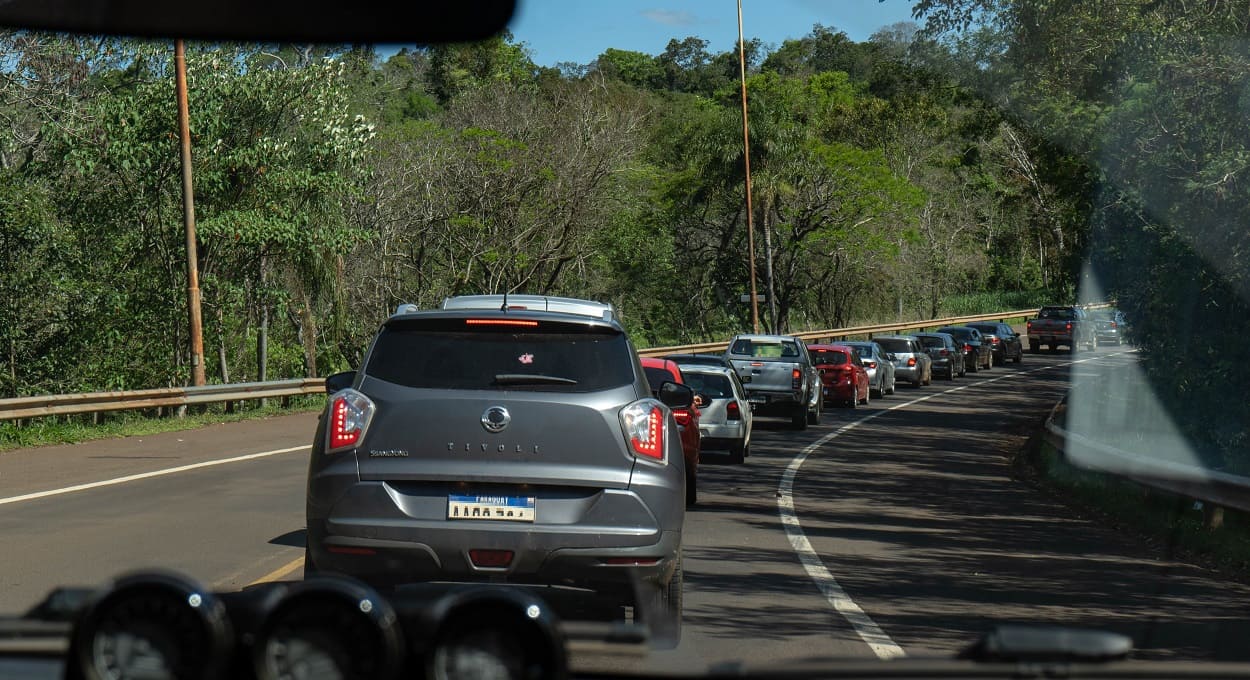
[
  {"x": 148, "y": 475},
  {"x": 878, "y": 641}
]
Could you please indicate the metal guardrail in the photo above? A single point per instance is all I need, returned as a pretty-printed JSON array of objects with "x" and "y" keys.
[
  {"x": 867, "y": 331},
  {"x": 1212, "y": 487},
  {"x": 167, "y": 397},
  {"x": 19, "y": 408}
]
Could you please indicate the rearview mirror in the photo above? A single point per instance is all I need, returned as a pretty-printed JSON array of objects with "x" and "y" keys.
[
  {"x": 674, "y": 395},
  {"x": 340, "y": 381},
  {"x": 330, "y": 21}
]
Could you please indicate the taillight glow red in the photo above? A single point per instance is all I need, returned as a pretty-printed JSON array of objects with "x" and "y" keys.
[
  {"x": 682, "y": 416},
  {"x": 644, "y": 426},
  {"x": 490, "y": 559},
  {"x": 795, "y": 374},
  {"x": 1068, "y": 326},
  {"x": 996, "y": 341},
  {"x": 342, "y": 434},
  {"x": 945, "y": 353},
  {"x": 501, "y": 322},
  {"x": 733, "y": 411},
  {"x": 870, "y": 364},
  {"x": 968, "y": 347},
  {"x": 911, "y": 361}
]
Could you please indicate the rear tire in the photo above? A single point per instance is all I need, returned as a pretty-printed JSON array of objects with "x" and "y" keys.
[
  {"x": 1019, "y": 357},
  {"x": 799, "y": 420},
  {"x": 813, "y": 418},
  {"x": 666, "y": 606},
  {"x": 310, "y": 569},
  {"x": 737, "y": 453},
  {"x": 950, "y": 375},
  {"x": 893, "y": 387},
  {"x": 692, "y": 488}
]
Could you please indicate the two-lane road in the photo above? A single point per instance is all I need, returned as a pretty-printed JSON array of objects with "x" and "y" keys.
[{"x": 893, "y": 529}]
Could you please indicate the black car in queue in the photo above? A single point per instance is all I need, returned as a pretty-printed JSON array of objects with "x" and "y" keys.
[
  {"x": 947, "y": 354},
  {"x": 1003, "y": 340},
  {"x": 977, "y": 353}
]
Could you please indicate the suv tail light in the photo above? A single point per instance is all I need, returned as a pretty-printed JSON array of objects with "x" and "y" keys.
[
  {"x": 911, "y": 361},
  {"x": 967, "y": 347},
  {"x": 1028, "y": 325},
  {"x": 733, "y": 411},
  {"x": 796, "y": 379},
  {"x": 944, "y": 353},
  {"x": 643, "y": 425},
  {"x": 1068, "y": 326},
  {"x": 870, "y": 364},
  {"x": 350, "y": 413},
  {"x": 682, "y": 416},
  {"x": 995, "y": 341}
]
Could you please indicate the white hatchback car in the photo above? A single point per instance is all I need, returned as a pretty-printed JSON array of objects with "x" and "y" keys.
[{"x": 725, "y": 422}]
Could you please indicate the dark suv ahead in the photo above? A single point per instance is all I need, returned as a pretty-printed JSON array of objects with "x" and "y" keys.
[{"x": 517, "y": 444}]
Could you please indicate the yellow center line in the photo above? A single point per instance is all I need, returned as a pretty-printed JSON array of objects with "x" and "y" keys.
[{"x": 281, "y": 572}]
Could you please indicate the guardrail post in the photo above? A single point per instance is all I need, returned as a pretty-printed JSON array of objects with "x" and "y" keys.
[
  {"x": 286, "y": 402},
  {"x": 229, "y": 406}
]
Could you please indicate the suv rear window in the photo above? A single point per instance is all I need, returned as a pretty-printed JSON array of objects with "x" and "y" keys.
[
  {"x": 895, "y": 346},
  {"x": 765, "y": 350},
  {"x": 1063, "y": 313},
  {"x": 501, "y": 359},
  {"x": 930, "y": 341},
  {"x": 989, "y": 329}
]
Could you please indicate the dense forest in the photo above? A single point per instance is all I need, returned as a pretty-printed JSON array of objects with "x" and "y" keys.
[{"x": 994, "y": 154}]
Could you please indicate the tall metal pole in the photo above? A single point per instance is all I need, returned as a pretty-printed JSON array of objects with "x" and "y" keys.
[
  {"x": 746, "y": 155},
  {"x": 188, "y": 216}
]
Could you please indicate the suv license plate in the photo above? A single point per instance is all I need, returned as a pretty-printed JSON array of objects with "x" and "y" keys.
[{"x": 506, "y": 508}]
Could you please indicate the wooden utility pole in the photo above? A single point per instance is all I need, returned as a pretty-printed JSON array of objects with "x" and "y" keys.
[
  {"x": 188, "y": 216},
  {"x": 746, "y": 156}
]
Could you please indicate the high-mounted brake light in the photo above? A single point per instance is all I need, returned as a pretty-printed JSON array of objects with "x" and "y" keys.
[
  {"x": 733, "y": 411},
  {"x": 643, "y": 425},
  {"x": 350, "y": 414},
  {"x": 682, "y": 416},
  {"x": 501, "y": 322}
]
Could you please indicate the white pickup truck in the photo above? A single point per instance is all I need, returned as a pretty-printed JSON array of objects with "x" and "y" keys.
[{"x": 779, "y": 378}]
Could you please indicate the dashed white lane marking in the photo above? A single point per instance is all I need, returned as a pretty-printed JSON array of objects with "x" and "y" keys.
[
  {"x": 147, "y": 475},
  {"x": 878, "y": 641}
]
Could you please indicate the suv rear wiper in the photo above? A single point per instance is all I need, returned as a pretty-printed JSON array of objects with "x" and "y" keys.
[{"x": 530, "y": 379}]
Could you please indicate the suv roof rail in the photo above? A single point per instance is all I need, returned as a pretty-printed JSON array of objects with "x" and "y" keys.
[{"x": 543, "y": 303}]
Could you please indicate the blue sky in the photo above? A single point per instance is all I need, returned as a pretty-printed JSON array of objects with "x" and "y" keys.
[{"x": 580, "y": 30}]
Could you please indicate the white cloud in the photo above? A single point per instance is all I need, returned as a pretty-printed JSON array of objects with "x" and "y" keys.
[{"x": 670, "y": 17}]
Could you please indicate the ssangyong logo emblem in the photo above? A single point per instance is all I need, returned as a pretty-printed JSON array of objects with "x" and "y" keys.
[{"x": 496, "y": 418}]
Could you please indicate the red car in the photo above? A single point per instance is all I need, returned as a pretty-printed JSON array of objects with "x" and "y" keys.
[
  {"x": 658, "y": 372},
  {"x": 844, "y": 376}
]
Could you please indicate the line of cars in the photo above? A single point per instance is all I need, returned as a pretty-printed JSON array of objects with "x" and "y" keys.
[{"x": 522, "y": 440}]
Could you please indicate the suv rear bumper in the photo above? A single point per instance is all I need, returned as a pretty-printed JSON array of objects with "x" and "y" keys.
[{"x": 386, "y": 534}]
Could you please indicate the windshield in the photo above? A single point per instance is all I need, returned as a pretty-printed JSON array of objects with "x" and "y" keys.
[{"x": 912, "y": 166}]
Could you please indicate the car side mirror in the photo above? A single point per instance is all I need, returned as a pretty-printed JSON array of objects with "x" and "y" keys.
[
  {"x": 674, "y": 395},
  {"x": 340, "y": 381}
]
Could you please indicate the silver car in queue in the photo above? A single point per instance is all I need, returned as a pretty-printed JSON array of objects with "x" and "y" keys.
[
  {"x": 725, "y": 420},
  {"x": 878, "y": 363},
  {"x": 911, "y": 363}
]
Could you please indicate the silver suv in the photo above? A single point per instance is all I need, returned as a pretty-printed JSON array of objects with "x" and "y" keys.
[{"x": 504, "y": 443}]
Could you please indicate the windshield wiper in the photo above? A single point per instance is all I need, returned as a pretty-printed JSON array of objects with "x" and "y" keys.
[{"x": 529, "y": 379}]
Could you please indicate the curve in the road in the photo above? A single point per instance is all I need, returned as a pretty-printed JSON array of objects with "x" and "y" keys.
[{"x": 872, "y": 634}]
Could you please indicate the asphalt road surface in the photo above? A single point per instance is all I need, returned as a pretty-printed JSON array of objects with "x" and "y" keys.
[{"x": 889, "y": 530}]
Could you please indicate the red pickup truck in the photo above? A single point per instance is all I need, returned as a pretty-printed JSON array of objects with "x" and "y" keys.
[{"x": 1063, "y": 325}]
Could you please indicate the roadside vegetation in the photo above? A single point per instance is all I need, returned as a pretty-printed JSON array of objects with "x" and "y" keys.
[{"x": 995, "y": 152}]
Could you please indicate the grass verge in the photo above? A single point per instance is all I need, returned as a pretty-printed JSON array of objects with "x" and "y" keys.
[
  {"x": 80, "y": 428},
  {"x": 1173, "y": 524}
]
